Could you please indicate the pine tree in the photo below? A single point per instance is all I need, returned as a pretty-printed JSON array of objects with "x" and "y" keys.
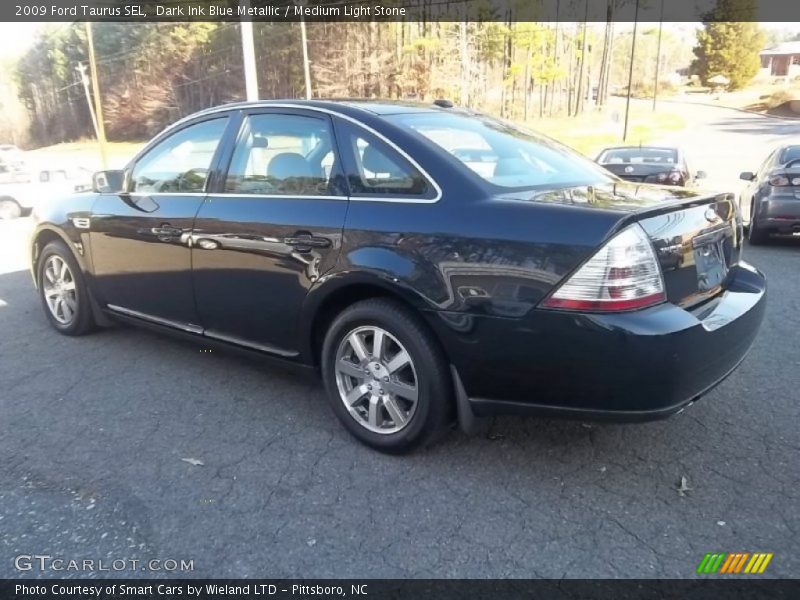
[{"x": 728, "y": 46}]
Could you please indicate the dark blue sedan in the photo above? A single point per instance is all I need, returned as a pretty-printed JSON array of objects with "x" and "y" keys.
[{"x": 434, "y": 264}]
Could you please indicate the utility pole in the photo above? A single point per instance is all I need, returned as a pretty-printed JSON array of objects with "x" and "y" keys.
[
  {"x": 658, "y": 55},
  {"x": 630, "y": 73},
  {"x": 304, "y": 40},
  {"x": 81, "y": 69},
  {"x": 249, "y": 57},
  {"x": 97, "y": 115}
]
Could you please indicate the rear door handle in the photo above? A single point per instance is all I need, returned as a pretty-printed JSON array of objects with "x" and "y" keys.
[
  {"x": 304, "y": 241},
  {"x": 166, "y": 230}
]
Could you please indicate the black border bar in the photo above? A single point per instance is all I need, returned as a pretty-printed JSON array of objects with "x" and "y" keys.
[
  {"x": 401, "y": 10},
  {"x": 743, "y": 587}
]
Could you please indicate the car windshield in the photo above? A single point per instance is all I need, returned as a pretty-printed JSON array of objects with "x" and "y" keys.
[
  {"x": 789, "y": 154},
  {"x": 503, "y": 154},
  {"x": 657, "y": 156}
]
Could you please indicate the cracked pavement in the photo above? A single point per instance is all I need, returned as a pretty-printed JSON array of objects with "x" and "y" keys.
[{"x": 94, "y": 431}]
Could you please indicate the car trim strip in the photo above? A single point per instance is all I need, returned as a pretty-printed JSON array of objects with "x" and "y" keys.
[
  {"x": 169, "y": 323},
  {"x": 255, "y": 346},
  {"x": 379, "y": 135}
]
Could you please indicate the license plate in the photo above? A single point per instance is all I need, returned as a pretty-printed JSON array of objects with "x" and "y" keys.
[{"x": 709, "y": 259}]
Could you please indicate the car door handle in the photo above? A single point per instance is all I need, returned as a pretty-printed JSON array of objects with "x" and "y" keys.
[
  {"x": 166, "y": 230},
  {"x": 304, "y": 241}
]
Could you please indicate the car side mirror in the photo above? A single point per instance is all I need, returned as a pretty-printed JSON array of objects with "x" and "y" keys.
[
  {"x": 701, "y": 175},
  {"x": 108, "y": 182},
  {"x": 747, "y": 175}
]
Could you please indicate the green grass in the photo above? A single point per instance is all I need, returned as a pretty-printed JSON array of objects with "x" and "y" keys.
[
  {"x": 86, "y": 154},
  {"x": 593, "y": 131}
]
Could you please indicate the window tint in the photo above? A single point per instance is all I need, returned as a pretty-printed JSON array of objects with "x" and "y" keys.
[
  {"x": 181, "y": 162},
  {"x": 381, "y": 170},
  {"x": 283, "y": 155}
]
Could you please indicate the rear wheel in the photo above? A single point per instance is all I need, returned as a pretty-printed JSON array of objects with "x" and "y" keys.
[
  {"x": 63, "y": 291},
  {"x": 756, "y": 235},
  {"x": 386, "y": 378},
  {"x": 9, "y": 209}
]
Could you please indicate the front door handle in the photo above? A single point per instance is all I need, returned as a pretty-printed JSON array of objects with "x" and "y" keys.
[{"x": 303, "y": 241}]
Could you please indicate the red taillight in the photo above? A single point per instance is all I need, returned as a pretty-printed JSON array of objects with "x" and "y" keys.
[
  {"x": 778, "y": 180},
  {"x": 675, "y": 177},
  {"x": 623, "y": 275}
]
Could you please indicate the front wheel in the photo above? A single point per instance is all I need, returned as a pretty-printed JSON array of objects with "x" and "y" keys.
[
  {"x": 385, "y": 375},
  {"x": 9, "y": 209},
  {"x": 63, "y": 291}
]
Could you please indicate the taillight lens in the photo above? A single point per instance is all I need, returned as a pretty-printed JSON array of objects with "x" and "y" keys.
[
  {"x": 623, "y": 275},
  {"x": 675, "y": 177},
  {"x": 778, "y": 180}
]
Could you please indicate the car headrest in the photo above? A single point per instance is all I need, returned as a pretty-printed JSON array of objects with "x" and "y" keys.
[
  {"x": 288, "y": 164},
  {"x": 375, "y": 161}
]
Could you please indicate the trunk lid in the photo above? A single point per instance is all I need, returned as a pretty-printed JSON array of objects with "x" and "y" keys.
[{"x": 697, "y": 236}]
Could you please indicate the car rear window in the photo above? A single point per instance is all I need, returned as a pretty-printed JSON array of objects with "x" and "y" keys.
[
  {"x": 503, "y": 154},
  {"x": 789, "y": 154},
  {"x": 667, "y": 156}
]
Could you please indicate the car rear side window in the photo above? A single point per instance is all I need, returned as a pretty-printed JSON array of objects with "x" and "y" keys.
[
  {"x": 789, "y": 154},
  {"x": 181, "y": 162},
  {"x": 280, "y": 155},
  {"x": 381, "y": 171}
]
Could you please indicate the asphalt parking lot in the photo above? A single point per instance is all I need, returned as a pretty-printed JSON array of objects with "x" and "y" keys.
[{"x": 95, "y": 430}]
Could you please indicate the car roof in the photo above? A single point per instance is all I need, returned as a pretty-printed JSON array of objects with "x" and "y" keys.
[
  {"x": 339, "y": 105},
  {"x": 641, "y": 147}
]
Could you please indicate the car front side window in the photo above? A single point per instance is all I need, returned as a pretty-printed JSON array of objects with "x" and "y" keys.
[
  {"x": 181, "y": 162},
  {"x": 280, "y": 155}
]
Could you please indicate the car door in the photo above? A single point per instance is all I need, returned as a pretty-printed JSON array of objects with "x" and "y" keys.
[
  {"x": 270, "y": 229},
  {"x": 140, "y": 238}
]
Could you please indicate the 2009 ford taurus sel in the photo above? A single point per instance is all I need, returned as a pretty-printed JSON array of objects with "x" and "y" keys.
[{"x": 435, "y": 264}]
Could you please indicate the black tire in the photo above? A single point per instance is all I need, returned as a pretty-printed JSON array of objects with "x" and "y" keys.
[
  {"x": 434, "y": 408},
  {"x": 756, "y": 235},
  {"x": 82, "y": 321},
  {"x": 9, "y": 209}
]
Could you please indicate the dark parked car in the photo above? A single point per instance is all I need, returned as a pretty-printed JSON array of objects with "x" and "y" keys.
[
  {"x": 771, "y": 201},
  {"x": 650, "y": 164},
  {"x": 435, "y": 264}
]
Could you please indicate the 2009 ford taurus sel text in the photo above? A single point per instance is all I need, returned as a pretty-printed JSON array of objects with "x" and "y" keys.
[{"x": 435, "y": 264}]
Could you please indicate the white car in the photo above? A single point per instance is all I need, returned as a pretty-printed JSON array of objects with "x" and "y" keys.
[{"x": 21, "y": 192}]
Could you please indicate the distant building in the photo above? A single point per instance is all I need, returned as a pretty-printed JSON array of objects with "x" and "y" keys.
[{"x": 782, "y": 60}]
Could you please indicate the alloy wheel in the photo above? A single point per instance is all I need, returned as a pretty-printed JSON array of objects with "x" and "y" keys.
[
  {"x": 58, "y": 287},
  {"x": 376, "y": 379}
]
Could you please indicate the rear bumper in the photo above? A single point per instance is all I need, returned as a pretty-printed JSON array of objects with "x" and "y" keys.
[
  {"x": 780, "y": 213},
  {"x": 641, "y": 365}
]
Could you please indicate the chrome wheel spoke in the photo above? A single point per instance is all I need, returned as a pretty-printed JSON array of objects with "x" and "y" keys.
[
  {"x": 66, "y": 310},
  {"x": 68, "y": 286},
  {"x": 349, "y": 368},
  {"x": 404, "y": 390},
  {"x": 356, "y": 394},
  {"x": 378, "y": 341},
  {"x": 50, "y": 292},
  {"x": 358, "y": 346},
  {"x": 373, "y": 411},
  {"x": 400, "y": 360},
  {"x": 63, "y": 272},
  {"x": 395, "y": 412},
  {"x": 69, "y": 299}
]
